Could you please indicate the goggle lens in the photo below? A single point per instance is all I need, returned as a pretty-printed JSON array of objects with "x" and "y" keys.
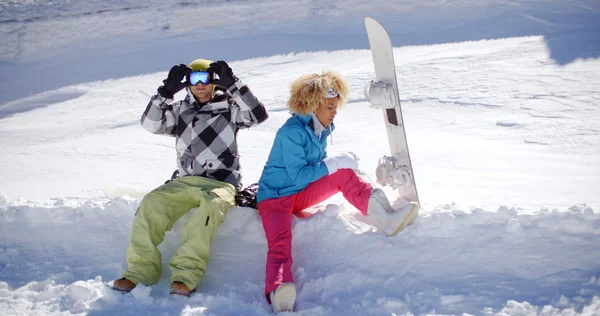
[
  {"x": 331, "y": 93},
  {"x": 199, "y": 76}
]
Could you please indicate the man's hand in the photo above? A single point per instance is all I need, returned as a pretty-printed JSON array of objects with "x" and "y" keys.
[
  {"x": 176, "y": 80},
  {"x": 222, "y": 75}
]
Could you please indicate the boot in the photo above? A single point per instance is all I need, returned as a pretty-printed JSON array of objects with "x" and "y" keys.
[
  {"x": 390, "y": 221},
  {"x": 180, "y": 288},
  {"x": 284, "y": 298},
  {"x": 123, "y": 285}
]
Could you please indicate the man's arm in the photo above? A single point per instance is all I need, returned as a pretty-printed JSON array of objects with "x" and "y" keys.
[
  {"x": 246, "y": 110},
  {"x": 160, "y": 117}
]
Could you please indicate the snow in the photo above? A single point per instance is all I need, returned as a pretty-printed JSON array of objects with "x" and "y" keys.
[{"x": 500, "y": 102}]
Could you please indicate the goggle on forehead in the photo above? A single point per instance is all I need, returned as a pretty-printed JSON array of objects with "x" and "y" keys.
[
  {"x": 331, "y": 93},
  {"x": 199, "y": 76}
]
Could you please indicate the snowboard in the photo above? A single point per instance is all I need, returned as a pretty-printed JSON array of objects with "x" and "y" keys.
[{"x": 395, "y": 170}]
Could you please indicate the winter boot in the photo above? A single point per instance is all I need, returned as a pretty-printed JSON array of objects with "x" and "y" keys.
[
  {"x": 123, "y": 285},
  {"x": 180, "y": 288},
  {"x": 284, "y": 298},
  {"x": 390, "y": 221}
]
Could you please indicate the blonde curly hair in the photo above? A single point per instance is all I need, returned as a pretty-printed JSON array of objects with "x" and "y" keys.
[{"x": 308, "y": 91}]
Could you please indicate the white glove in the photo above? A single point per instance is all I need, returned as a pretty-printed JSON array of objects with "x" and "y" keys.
[{"x": 344, "y": 161}]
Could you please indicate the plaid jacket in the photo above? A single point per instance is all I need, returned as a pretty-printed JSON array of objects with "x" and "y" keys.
[{"x": 206, "y": 136}]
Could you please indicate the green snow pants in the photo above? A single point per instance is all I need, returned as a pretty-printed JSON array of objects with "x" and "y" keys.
[{"x": 158, "y": 212}]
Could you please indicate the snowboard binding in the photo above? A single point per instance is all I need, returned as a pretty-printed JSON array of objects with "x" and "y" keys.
[
  {"x": 380, "y": 94},
  {"x": 391, "y": 172}
]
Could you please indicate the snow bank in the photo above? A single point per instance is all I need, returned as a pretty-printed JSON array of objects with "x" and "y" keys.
[{"x": 62, "y": 257}]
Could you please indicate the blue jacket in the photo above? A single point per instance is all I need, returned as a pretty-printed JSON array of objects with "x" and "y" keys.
[{"x": 295, "y": 159}]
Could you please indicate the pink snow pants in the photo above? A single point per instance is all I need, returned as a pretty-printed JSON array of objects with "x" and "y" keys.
[{"x": 276, "y": 215}]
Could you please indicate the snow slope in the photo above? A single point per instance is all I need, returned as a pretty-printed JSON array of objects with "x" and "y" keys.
[
  {"x": 50, "y": 44},
  {"x": 504, "y": 139}
]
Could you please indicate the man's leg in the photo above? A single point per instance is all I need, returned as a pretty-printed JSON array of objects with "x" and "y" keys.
[
  {"x": 156, "y": 215},
  {"x": 189, "y": 262},
  {"x": 276, "y": 216},
  {"x": 355, "y": 190}
]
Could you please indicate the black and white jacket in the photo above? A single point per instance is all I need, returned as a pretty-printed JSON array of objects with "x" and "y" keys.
[{"x": 206, "y": 135}]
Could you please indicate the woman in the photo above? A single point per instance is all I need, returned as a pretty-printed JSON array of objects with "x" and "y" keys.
[{"x": 299, "y": 174}]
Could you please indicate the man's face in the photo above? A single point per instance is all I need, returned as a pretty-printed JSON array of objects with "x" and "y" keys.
[{"x": 202, "y": 92}]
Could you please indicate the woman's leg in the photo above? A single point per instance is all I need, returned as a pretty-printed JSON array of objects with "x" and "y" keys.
[
  {"x": 355, "y": 190},
  {"x": 276, "y": 216}
]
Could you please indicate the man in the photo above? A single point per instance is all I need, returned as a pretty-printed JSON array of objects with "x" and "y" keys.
[{"x": 205, "y": 125}]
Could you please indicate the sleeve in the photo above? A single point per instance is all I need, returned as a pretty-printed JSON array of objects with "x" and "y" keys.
[
  {"x": 294, "y": 158},
  {"x": 160, "y": 117},
  {"x": 246, "y": 109}
]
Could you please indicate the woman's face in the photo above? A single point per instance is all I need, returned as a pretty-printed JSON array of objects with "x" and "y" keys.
[{"x": 326, "y": 111}]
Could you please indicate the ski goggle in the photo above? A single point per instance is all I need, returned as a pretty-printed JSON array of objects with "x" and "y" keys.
[
  {"x": 199, "y": 76},
  {"x": 331, "y": 93}
]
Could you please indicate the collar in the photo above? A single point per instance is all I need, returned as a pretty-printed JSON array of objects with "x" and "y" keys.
[
  {"x": 214, "y": 104},
  {"x": 316, "y": 125},
  {"x": 310, "y": 122}
]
